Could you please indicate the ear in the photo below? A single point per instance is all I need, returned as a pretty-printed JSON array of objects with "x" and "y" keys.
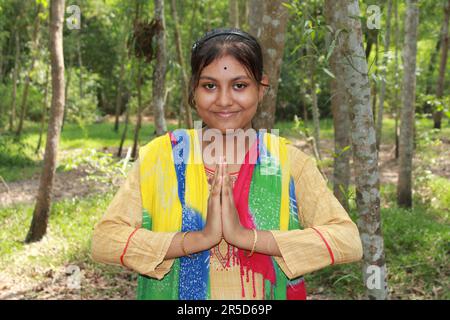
[{"x": 263, "y": 89}]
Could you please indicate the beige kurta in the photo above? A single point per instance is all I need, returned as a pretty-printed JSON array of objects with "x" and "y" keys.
[{"x": 329, "y": 235}]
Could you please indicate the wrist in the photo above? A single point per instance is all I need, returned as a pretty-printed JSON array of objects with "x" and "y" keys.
[
  {"x": 208, "y": 240},
  {"x": 243, "y": 238}
]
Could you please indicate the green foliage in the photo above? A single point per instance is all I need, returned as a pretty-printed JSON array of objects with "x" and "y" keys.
[
  {"x": 82, "y": 110},
  {"x": 13, "y": 152},
  {"x": 101, "y": 167},
  {"x": 435, "y": 103}
]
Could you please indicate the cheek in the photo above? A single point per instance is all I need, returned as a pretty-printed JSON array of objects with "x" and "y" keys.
[
  {"x": 247, "y": 101},
  {"x": 202, "y": 100}
]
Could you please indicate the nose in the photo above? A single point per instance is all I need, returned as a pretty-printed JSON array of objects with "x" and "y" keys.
[{"x": 224, "y": 99}]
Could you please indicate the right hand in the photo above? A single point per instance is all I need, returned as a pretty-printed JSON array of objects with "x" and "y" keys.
[{"x": 213, "y": 226}]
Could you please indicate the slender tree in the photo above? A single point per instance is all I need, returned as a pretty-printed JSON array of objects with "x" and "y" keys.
[
  {"x": 404, "y": 188},
  {"x": 342, "y": 143},
  {"x": 314, "y": 103},
  {"x": 387, "y": 43},
  {"x": 396, "y": 75},
  {"x": 16, "y": 72},
  {"x": 139, "y": 110},
  {"x": 80, "y": 66},
  {"x": 437, "y": 116},
  {"x": 123, "y": 59},
  {"x": 44, "y": 111},
  {"x": 159, "y": 71},
  {"x": 352, "y": 71},
  {"x": 271, "y": 33},
  {"x": 180, "y": 56},
  {"x": 41, "y": 211},
  {"x": 35, "y": 44},
  {"x": 233, "y": 7}
]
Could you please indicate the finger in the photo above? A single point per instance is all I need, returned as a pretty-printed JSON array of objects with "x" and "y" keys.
[
  {"x": 221, "y": 177},
  {"x": 217, "y": 186},
  {"x": 225, "y": 182},
  {"x": 215, "y": 189}
]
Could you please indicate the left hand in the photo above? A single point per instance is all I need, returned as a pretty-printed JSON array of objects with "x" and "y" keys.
[{"x": 231, "y": 225}]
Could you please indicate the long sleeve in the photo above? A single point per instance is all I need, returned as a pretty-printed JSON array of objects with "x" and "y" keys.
[
  {"x": 329, "y": 235},
  {"x": 118, "y": 238}
]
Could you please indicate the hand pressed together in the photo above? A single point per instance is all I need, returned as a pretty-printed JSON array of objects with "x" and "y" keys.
[{"x": 222, "y": 218}]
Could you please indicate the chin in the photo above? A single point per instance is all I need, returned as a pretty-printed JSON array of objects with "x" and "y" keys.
[{"x": 223, "y": 127}]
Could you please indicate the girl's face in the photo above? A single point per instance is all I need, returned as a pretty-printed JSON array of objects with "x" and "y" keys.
[{"x": 226, "y": 96}]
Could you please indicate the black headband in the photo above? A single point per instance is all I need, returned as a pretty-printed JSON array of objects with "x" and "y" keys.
[{"x": 221, "y": 33}]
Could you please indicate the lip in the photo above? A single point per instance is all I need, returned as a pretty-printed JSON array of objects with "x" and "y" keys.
[{"x": 226, "y": 115}]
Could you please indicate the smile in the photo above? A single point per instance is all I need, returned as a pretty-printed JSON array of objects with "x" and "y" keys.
[{"x": 226, "y": 114}]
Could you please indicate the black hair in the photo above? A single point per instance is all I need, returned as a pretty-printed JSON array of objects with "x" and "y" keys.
[{"x": 219, "y": 42}]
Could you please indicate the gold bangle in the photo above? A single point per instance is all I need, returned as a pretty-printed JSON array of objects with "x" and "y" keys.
[
  {"x": 182, "y": 245},
  {"x": 255, "y": 238}
]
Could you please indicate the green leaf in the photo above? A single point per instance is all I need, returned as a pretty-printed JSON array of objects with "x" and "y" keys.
[
  {"x": 328, "y": 72},
  {"x": 331, "y": 49}
]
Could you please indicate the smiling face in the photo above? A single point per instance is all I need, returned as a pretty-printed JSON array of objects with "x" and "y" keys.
[{"x": 226, "y": 96}]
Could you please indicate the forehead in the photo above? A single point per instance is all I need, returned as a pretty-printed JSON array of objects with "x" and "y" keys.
[{"x": 225, "y": 66}]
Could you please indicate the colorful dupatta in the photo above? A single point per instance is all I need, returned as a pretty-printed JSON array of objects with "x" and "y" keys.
[{"x": 174, "y": 191}]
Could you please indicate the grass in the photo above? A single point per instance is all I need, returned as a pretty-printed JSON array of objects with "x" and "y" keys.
[
  {"x": 416, "y": 244},
  {"x": 67, "y": 243},
  {"x": 19, "y": 163}
]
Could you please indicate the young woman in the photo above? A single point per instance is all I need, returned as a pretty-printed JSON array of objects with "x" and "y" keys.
[{"x": 204, "y": 218}]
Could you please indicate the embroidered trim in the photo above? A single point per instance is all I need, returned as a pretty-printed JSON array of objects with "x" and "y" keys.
[
  {"x": 126, "y": 246},
  {"x": 326, "y": 243}
]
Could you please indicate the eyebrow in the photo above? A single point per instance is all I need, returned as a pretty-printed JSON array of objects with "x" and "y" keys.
[{"x": 234, "y": 79}]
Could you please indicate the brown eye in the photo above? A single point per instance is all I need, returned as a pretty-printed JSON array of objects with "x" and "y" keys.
[
  {"x": 240, "y": 86},
  {"x": 209, "y": 86}
]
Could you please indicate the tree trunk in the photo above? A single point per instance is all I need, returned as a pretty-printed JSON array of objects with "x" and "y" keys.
[
  {"x": 427, "y": 107},
  {"x": 12, "y": 117},
  {"x": 342, "y": 143},
  {"x": 437, "y": 116},
  {"x": 375, "y": 84},
  {"x": 354, "y": 77},
  {"x": 80, "y": 65},
  {"x": 185, "y": 80},
  {"x": 44, "y": 112},
  {"x": 404, "y": 188},
  {"x": 194, "y": 18},
  {"x": 255, "y": 16},
  {"x": 120, "y": 84},
  {"x": 387, "y": 42},
  {"x": 39, "y": 222},
  {"x": 66, "y": 95},
  {"x": 34, "y": 46},
  {"x": 271, "y": 33},
  {"x": 159, "y": 72},
  {"x": 137, "y": 129},
  {"x": 396, "y": 74},
  {"x": 125, "y": 130},
  {"x": 243, "y": 18},
  {"x": 314, "y": 103},
  {"x": 233, "y": 8}
]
